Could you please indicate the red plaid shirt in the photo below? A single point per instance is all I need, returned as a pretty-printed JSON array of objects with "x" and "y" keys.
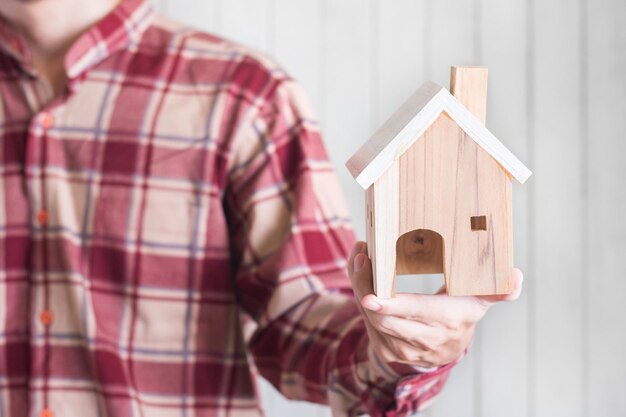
[{"x": 177, "y": 185}]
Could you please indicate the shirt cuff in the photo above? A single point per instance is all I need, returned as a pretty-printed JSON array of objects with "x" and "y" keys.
[
  {"x": 417, "y": 391},
  {"x": 416, "y": 387}
]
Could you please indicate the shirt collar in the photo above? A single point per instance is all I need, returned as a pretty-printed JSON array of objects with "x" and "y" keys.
[
  {"x": 119, "y": 29},
  {"x": 12, "y": 43}
]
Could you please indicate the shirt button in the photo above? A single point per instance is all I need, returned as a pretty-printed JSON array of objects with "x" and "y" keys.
[
  {"x": 46, "y": 317},
  {"x": 15, "y": 44},
  {"x": 42, "y": 217},
  {"x": 47, "y": 120},
  {"x": 46, "y": 412}
]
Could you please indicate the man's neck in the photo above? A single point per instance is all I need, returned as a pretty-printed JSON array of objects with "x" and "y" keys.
[{"x": 51, "y": 26}]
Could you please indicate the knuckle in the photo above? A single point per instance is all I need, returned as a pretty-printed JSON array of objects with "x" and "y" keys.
[
  {"x": 427, "y": 344},
  {"x": 429, "y": 360},
  {"x": 384, "y": 323},
  {"x": 460, "y": 334},
  {"x": 453, "y": 348},
  {"x": 438, "y": 341},
  {"x": 418, "y": 341},
  {"x": 387, "y": 355},
  {"x": 454, "y": 324},
  {"x": 417, "y": 355},
  {"x": 408, "y": 354}
]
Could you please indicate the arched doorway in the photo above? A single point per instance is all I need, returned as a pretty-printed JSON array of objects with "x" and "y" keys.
[{"x": 420, "y": 251}]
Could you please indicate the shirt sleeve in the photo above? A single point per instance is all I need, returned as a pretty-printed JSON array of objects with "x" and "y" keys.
[{"x": 290, "y": 237}]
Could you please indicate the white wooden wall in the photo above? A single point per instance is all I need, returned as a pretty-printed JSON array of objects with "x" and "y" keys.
[{"x": 557, "y": 98}]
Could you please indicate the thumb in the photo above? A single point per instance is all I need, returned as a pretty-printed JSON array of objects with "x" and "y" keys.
[{"x": 361, "y": 271}]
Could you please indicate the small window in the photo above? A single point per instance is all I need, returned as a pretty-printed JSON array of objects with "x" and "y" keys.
[{"x": 479, "y": 222}]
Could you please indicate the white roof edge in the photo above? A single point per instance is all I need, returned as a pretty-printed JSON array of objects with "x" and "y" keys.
[
  {"x": 481, "y": 135},
  {"x": 415, "y": 127},
  {"x": 392, "y": 127}
]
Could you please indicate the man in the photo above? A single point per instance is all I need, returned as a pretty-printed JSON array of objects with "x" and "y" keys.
[{"x": 170, "y": 223}]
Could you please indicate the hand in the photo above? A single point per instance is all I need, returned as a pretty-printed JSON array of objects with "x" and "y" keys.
[{"x": 419, "y": 329}]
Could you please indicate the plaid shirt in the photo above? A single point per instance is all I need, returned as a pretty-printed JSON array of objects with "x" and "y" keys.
[{"x": 170, "y": 223}]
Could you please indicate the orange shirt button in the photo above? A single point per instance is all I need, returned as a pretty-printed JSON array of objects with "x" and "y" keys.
[
  {"x": 42, "y": 217},
  {"x": 15, "y": 44},
  {"x": 46, "y": 317},
  {"x": 46, "y": 412},
  {"x": 47, "y": 120}
]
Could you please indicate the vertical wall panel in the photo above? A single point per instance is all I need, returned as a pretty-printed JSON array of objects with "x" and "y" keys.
[
  {"x": 451, "y": 37},
  {"x": 400, "y": 46},
  {"x": 202, "y": 15},
  {"x": 559, "y": 227},
  {"x": 297, "y": 36},
  {"x": 504, "y": 355},
  {"x": 347, "y": 89},
  {"x": 160, "y": 5},
  {"x": 606, "y": 221},
  {"x": 248, "y": 22}
]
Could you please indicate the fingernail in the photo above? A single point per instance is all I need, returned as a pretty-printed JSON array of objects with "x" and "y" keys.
[
  {"x": 353, "y": 252},
  {"x": 362, "y": 247},
  {"x": 357, "y": 248},
  {"x": 372, "y": 305},
  {"x": 359, "y": 261}
]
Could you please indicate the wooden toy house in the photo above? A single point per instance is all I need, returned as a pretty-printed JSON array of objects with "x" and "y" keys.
[{"x": 438, "y": 191}]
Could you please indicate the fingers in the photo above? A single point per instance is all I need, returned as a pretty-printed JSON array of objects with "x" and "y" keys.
[
  {"x": 392, "y": 349},
  {"x": 414, "y": 332},
  {"x": 425, "y": 308},
  {"x": 355, "y": 249},
  {"x": 440, "y": 308},
  {"x": 419, "y": 328},
  {"x": 360, "y": 270},
  {"x": 437, "y": 348}
]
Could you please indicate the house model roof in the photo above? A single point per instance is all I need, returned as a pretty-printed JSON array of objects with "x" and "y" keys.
[{"x": 410, "y": 122}]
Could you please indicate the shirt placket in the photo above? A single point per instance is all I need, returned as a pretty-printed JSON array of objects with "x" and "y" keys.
[{"x": 37, "y": 161}]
